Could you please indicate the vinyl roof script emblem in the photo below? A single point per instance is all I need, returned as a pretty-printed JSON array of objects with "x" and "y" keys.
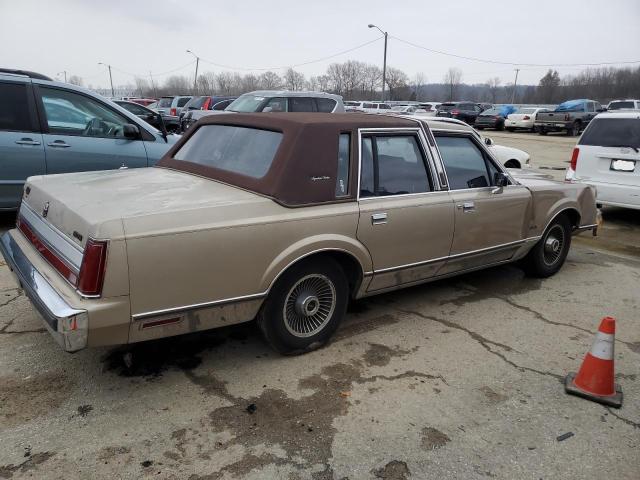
[{"x": 45, "y": 210}]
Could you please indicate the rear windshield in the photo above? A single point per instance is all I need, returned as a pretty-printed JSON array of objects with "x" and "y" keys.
[
  {"x": 527, "y": 110},
  {"x": 183, "y": 101},
  {"x": 492, "y": 111},
  {"x": 447, "y": 106},
  {"x": 247, "y": 151},
  {"x": 612, "y": 132},
  {"x": 620, "y": 105},
  {"x": 196, "y": 103},
  {"x": 165, "y": 102}
]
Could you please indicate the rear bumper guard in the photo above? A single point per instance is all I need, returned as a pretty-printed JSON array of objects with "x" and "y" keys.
[{"x": 67, "y": 325}]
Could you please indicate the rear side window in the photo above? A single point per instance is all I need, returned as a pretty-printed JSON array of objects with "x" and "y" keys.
[
  {"x": 14, "y": 108},
  {"x": 326, "y": 105},
  {"x": 183, "y": 101},
  {"x": 301, "y": 104},
  {"x": 342, "y": 177},
  {"x": 612, "y": 132},
  {"x": 247, "y": 151},
  {"x": 398, "y": 166},
  {"x": 384, "y": 106},
  {"x": 465, "y": 164}
]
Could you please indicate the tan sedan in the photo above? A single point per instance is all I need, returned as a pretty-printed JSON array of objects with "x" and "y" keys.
[{"x": 283, "y": 217}]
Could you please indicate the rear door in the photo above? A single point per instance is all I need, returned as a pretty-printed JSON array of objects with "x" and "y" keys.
[
  {"x": 82, "y": 134},
  {"x": 21, "y": 146},
  {"x": 609, "y": 152},
  {"x": 489, "y": 227},
  {"x": 405, "y": 222}
]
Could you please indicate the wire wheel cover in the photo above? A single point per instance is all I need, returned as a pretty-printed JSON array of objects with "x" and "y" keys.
[
  {"x": 554, "y": 245},
  {"x": 309, "y": 305}
]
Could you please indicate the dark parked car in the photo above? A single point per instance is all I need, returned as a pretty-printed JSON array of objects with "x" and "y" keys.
[
  {"x": 465, "y": 111},
  {"x": 206, "y": 102},
  {"x": 152, "y": 118},
  {"x": 494, "y": 117}
]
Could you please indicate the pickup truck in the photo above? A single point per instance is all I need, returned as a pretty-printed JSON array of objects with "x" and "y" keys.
[{"x": 571, "y": 117}]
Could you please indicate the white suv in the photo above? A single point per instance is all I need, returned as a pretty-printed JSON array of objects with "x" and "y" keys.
[{"x": 608, "y": 157}]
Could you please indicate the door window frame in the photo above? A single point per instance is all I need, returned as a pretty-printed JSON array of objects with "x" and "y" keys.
[
  {"x": 422, "y": 145},
  {"x": 44, "y": 126}
]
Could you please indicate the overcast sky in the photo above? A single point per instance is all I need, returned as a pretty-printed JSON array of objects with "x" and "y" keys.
[{"x": 144, "y": 35}]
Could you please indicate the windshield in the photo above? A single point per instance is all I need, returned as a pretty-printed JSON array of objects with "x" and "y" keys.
[
  {"x": 246, "y": 103},
  {"x": 612, "y": 132},
  {"x": 621, "y": 105},
  {"x": 247, "y": 151}
]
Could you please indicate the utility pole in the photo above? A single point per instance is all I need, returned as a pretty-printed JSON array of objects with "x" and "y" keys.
[
  {"x": 155, "y": 92},
  {"x": 110, "y": 78},
  {"x": 384, "y": 61},
  {"x": 195, "y": 79},
  {"x": 515, "y": 84},
  {"x": 65, "y": 75}
]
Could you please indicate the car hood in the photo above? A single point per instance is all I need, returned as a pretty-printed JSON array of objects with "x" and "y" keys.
[{"x": 141, "y": 201}]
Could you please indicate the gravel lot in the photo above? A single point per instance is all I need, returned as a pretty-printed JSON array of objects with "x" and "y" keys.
[{"x": 455, "y": 379}]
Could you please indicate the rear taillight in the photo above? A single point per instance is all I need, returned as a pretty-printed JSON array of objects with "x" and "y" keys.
[
  {"x": 567, "y": 116},
  {"x": 173, "y": 112},
  {"x": 92, "y": 269},
  {"x": 206, "y": 105},
  {"x": 455, "y": 112},
  {"x": 574, "y": 158},
  {"x": 526, "y": 117}
]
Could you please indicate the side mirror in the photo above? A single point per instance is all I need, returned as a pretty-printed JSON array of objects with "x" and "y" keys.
[
  {"x": 130, "y": 131},
  {"x": 488, "y": 141},
  {"x": 500, "y": 181}
]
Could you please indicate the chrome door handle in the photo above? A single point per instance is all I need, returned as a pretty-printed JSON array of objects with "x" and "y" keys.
[
  {"x": 27, "y": 141},
  {"x": 467, "y": 207},
  {"x": 58, "y": 144},
  {"x": 378, "y": 219}
]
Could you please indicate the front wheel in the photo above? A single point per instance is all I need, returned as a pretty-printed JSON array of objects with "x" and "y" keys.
[
  {"x": 305, "y": 306},
  {"x": 549, "y": 254}
]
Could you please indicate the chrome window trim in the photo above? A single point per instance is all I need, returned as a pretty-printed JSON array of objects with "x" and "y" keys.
[
  {"x": 459, "y": 255},
  {"x": 53, "y": 238}
]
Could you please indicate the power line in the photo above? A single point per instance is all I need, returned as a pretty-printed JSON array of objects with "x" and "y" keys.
[
  {"x": 497, "y": 62},
  {"x": 229, "y": 67}
]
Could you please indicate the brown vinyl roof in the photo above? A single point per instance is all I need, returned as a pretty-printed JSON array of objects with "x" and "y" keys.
[{"x": 309, "y": 148}]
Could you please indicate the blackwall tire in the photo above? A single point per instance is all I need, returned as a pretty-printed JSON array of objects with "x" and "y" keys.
[{"x": 549, "y": 254}]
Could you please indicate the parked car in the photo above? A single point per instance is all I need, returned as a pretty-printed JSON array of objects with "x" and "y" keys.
[
  {"x": 51, "y": 127},
  {"x": 375, "y": 107},
  {"x": 145, "y": 102},
  {"x": 143, "y": 113},
  {"x": 274, "y": 101},
  {"x": 353, "y": 106},
  {"x": 203, "y": 103},
  {"x": 524, "y": 118},
  {"x": 280, "y": 217},
  {"x": 508, "y": 156},
  {"x": 494, "y": 117},
  {"x": 624, "y": 105},
  {"x": 430, "y": 107},
  {"x": 571, "y": 117},
  {"x": 172, "y": 105},
  {"x": 407, "y": 110},
  {"x": 607, "y": 156},
  {"x": 465, "y": 111}
]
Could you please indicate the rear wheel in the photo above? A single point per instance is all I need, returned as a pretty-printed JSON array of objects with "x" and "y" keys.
[
  {"x": 500, "y": 126},
  {"x": 305, "y": 306},
  {"x": 542, "y": 131},
  {"x": 574, "y": 131},
  {"x": 510, "y": 129},
  {"x": 549, "y": 254}
]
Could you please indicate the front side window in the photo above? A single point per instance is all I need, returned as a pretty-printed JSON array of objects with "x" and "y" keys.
[
  {"x": 342, "y": 177},
  {"x": 70, "y": 113},
  {"x": 14, "y": 110},
  {"x": 326, "y": 105},
  {"x": 465, "y": 164},
  {"x": 246, "y": 151},
  {"x": 301, "y": 104},
  {"x": 398, "y": 166},
  {"x": 274, "y": 105}
]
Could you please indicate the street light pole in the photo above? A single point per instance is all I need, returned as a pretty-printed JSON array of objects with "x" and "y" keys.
[
  {"x": 384, "y": 61},
  {"x": 195, "y": 79},
  {"x": 65, "y": 75},
  {"x": 110, "y": 77},
  {"x": 515, "y": 83},
  {"x": 155, "y": 92}
]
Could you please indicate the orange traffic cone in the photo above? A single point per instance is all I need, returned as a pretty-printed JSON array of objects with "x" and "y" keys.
[{"x": 594, "y": 381}]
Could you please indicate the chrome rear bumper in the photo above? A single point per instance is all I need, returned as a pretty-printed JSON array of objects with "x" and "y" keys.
[{"x": 68, "y": 325}]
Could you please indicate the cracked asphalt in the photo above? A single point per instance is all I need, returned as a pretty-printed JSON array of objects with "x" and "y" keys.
[{"x": 456, "y": 379}]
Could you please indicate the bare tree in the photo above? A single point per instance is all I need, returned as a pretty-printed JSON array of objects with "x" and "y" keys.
[
  {"x": 452, "y": 78},
  {"x": 396, "y": 79},
  {"x": 250, "y": 82},
  {"x": 494, "y": 86},
  {"x": 270, "y": 80},
  {"x": 75, "y": 80},
  {"x": 373, "y": 80},
  {"x": 323, "y": 82},
  {"x": 207, "y": 83},
  {"x": 418, "y": 85},
  {"x": 293, "y": 80},
  {"x": 177, "y": 84}
]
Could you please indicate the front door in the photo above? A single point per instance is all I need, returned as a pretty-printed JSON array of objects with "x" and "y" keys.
[
  {"x": 21, "y": 149},
  {"x": 490, "y": 224},
  {"x": 84, "y": 134},
  {"x": 405, "y": 223}
]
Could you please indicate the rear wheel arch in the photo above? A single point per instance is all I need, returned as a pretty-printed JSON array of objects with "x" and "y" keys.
[
  {"x": 512, "y": 163},
  {"x": 570, "y": 212}
]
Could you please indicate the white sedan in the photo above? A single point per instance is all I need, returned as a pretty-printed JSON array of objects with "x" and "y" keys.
[{"x": 523, "y": 118}]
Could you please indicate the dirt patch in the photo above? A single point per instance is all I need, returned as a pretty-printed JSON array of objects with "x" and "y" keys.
[
  {"x": 380, "y": 355},
  {"x": 634, "y": 346},
  {"x": 108, "y": 453},
  {"x": 432, "y": 438},
  {"x": 394, "y": 470},
  {"x": 352, "y": 327},
  {"x": 7, "y": 471},
  {"x": 23, "y": 399},
  {"x": 493, "y": 396}
]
